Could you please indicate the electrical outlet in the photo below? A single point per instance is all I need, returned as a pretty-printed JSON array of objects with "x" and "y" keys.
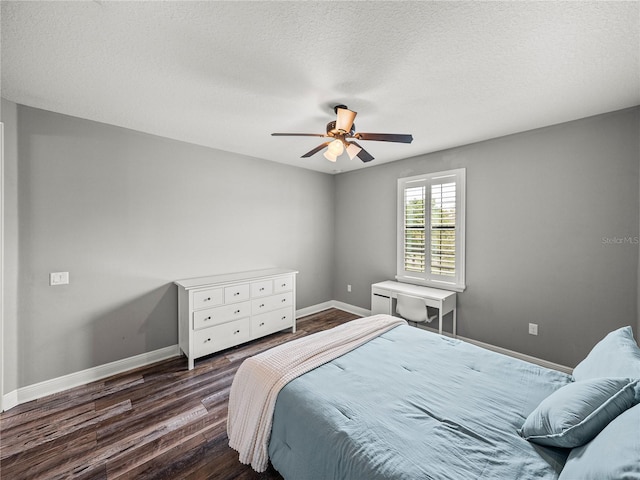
[
  {"x": 349, "y": 288},
  {"x": 533, "y": 329},
  {"x": 59, "y": 278}
]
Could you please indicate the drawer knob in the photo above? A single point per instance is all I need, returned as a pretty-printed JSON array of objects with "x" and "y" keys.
[
  {"x": 237, "y": 331},
  {"x": 261, "y": 325},
  {"x": 284, "y": 318},
  {"x": 208, "y": 299},
  {"x": 207, "y": 340},
  {"x": 284, "y": 300},
  {"x": 262, "y": 289},
  {"x": 208, "y": 318},
  {"x": 284, "y": 285},
  {"x": 261, "y": 305},
  {"x": 236, "y": 294},
  {"x": 236, "y": 312}
]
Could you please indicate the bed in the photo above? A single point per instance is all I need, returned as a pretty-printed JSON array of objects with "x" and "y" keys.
[{"x": 410, "y": 404}]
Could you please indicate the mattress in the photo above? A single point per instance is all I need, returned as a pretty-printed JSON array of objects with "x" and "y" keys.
[{"x": 411, "y": 404}]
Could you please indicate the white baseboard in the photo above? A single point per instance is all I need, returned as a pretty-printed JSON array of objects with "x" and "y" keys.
[
  {"x": 10, "y": 400},
  {"x": 303, "y": 312},
  {"x": 518, "y": 355},
  {"x": 521, "y": 356},
  {"x": 55, "y": 385},
  {"x": 363, "y": 312}
]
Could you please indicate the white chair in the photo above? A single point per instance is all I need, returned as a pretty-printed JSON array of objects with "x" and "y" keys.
[{"x": 412, "y": 309}]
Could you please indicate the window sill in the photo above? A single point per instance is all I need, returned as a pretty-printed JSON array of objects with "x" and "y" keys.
[{"x": 454, "y": 287}]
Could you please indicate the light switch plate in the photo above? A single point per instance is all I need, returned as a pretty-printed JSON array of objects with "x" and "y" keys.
[{"x": 59, "y": 278}]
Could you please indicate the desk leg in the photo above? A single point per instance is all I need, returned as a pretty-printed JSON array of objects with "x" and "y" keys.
[
  {"x": 381, "y": 304},
  {"x": 454, "y": 322},
  {"x": 440, "y": 318}
]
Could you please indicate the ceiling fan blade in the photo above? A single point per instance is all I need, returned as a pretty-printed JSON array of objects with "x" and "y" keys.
[
  {"x": 315, "y": 150},
  {"x": 362, "y": 154},
  {"x": 298, "y": 135},
  {"x": 385, "y": 137},
  {"x": 345, "y": 119}
]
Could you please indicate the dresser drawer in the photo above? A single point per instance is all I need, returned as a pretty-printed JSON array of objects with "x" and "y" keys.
[
  {"x": 207, "y": 298},
  {"x": 282, "y": 300},
  {"x": 213, "y": 339},
  {"x": 283, "y": 284},
  {"x": 271, "y": 322},
  {"x": 263, "y": 305},
  {"x": 262, "y": 288},
  {"x": 218, "y": 315},
  {"x": 236, "y": 293}
]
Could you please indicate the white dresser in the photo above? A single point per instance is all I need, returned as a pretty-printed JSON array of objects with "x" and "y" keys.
[{"x": 222, "y": 311}]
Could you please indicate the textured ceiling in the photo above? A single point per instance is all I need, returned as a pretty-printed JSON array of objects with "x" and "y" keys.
[{"x": 227, "y": 74}]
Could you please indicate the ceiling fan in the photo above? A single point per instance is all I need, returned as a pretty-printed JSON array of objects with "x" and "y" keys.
[{"x": 343, "y": 130}]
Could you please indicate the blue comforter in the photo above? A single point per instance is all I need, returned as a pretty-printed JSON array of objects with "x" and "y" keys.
[{"x": 414, "y": 405}]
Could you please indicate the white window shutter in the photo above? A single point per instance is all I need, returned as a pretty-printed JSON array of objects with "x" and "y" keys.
[
  {"x": 414, "y": 229},
  {"x": 431, "y": 229}
]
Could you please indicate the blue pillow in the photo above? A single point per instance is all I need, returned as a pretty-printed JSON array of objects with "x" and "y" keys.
[
  {"x": 616, "y": 355},
  {"x": 613, "y": 455},
  {"x": 574, "y": 414}
]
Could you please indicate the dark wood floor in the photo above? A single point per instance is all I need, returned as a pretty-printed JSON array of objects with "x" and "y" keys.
[{"x": 156, "y": 422}]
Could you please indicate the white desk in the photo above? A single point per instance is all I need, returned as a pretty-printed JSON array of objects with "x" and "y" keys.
[{"x": 383, "y": 293}]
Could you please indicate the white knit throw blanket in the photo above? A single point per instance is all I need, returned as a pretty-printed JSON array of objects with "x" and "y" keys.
[{"x": 260, "y": 378}]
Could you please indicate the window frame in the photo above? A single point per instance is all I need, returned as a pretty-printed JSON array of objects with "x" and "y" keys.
[{"x": 426, "y": 278}]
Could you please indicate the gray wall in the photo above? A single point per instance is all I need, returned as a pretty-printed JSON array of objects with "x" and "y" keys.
[
  {"x": 126, "y": 214},
  {"x": 544, "y": 210}
]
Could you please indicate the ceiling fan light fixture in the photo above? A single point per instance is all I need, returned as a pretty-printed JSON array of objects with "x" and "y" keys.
[
  {"x": 353, "y": 151},
  {"x": 344, "y": 120},
  {"x": 336, "y": 148},
  {"x": 329, "y": 156}
]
